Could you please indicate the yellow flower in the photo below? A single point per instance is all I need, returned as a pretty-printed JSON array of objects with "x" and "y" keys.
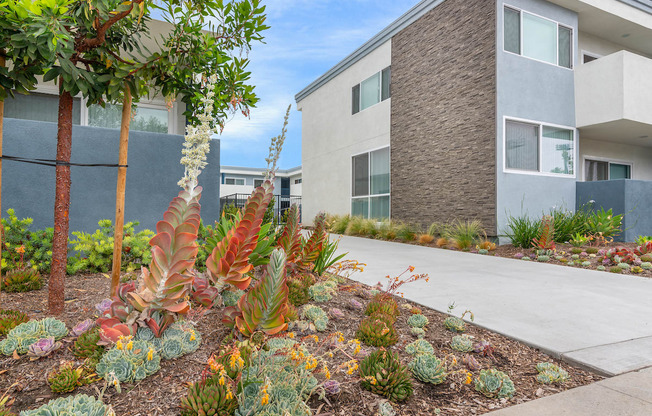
[
  {"x": 118, "y": 344},
  {"x": 150, "y": 354},
  {"x": 19, "y": 249},
  {"x": 130, "y": 346},
  {"x": 265, "y": 399},
  {"x": 221, "y": 380},
  {"x": 468, "y": 378},
  {"x": 290, "y": 334}
]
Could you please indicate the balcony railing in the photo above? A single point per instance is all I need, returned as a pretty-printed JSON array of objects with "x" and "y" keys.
[{"x": 281, "y": 203}]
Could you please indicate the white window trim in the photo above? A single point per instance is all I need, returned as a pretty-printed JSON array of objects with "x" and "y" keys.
[
  {"x": 520, "y": 21},
  {"x": 244, "y": 182},
  {"x": 380, "y": 92},
  {"x": 262, "y": 181},
  {"x": 83, "y": 119},
  {"x": 389, "y": 194},
  {"x": 588, "y": 53},
  {"x": 541, "y": 125},
  {"x": 609, "y": 160}
]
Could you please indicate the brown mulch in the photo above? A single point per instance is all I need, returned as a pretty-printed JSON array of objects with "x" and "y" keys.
[{"x": 160, "y": 394}]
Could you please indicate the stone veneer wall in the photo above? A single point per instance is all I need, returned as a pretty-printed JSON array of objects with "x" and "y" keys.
[{"x": 443, "y": 145}]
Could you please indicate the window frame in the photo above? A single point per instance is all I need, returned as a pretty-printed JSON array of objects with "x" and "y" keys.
[
  {"x": 244, "y": 182},
  {"x": 540, "y": 125},
  {"x": 556, "y": 64},
  {"x": 262, "y": 181},
  {"x": 369, "y": 196},
  {"x": 609, "y": 161},
  {"x": 590, "y": 54},
  {"x": 380, "y": 91},
  {"x": 154, "y": 104}
]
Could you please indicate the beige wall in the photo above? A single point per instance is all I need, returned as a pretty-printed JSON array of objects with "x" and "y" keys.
[
  {"x": 596, "y": 45},
  {"x": 640, "y": 157},
  {"x": 331, "y": 135}
]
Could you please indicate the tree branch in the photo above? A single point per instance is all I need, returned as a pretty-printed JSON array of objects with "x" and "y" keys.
[{"x": 101, "y": 31}]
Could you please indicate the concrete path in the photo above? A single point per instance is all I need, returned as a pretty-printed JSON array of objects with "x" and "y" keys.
[
  {"x": 625, "y": 395},
  {"x": 596, "y": 319}
]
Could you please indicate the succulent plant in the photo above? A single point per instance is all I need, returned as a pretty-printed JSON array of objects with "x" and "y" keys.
[
  {"x": 231, "y": 297},
  {"x": 43, "y": 347},
  {"x": 485, "y": 348},
  {"x": 575, "y": 256},
  {"x": 418, "y": 332},
  {"x": 22, "y": 336},
  {"x": 428, "y": 369},
  {"x": 322, "y": 291},
  {"x": 576, "y": 250},
  {"x": 415, "y": 311},
  {"x": 292, "y": 313},
  {"x": 280, "y": 343},
  {"x": 419, "y": 347},
  {"x": 382, "y": 373},
  {"x": 298, "y": 294},
  {"x": 336, "y": 314},
  {"x": 455, "y": 324},
  {"x": 179, "y": 339},
  {"x": 331, "y": 387},
  {"x": 129, "y": 361},
  {"x": 10, "y": 319},
  {"x": 586, "y": 263},
  {"x": 355, "y": 305},
  {"x": 210, "y": 397},
  {"x": 647, "y": 258},
  {"x": 382, "y": 303},
  {"x": 636, "y": 269},
  {"x": 601, "y": 268},
  {"x": 483, "y": 251},
  {"x": 317, "y": 316},
  {"x": 543, "y": 259},
  {"x": 22, "y": 280},
  {"x": 462, "y": 343},
  {"x": 103, "y": 306},
  {"x": 470, "y": 362},
  {"x": 377, "y": 330},
  {"x": 571, "y": 263},
  {"x": 519, "y": 256},
  {"x": 526, "y": 258},
  {"x": 86, "y": 347},
  {"x": 65, "y": 379},
  {"x": 203, "y": 292},
  {"x": 494, "y": 384},
  {"x": 550, "y": 373},
  {"x": 646, "y": 265},
  {"x": 624, "y": 266},
  {"x": 616, "y": 270},
  {"x": 418, "y": 321},
  {"x": 78, "y": 405},
  {"x": 82, "y": 327}
]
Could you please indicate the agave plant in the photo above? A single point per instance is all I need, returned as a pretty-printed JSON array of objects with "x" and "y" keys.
[
  {"x": 229, "y": 260},
  {"x": 167, "y": 282},
  {"x": 264, "y": 306}
]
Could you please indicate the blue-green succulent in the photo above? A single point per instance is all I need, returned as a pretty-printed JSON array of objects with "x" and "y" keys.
[
  {"x": 455, "y": 324},
  {"x": 462, "y": 343},
  {"x": 494, "y": 384},
  {"x": 418, "y": 321},
  {"x": 550, "y": 373},
  {"x": 428, "y": 369},
  {"x": 317, "y": 316},
  {"x": 130, "y": 361},
  {"x": 419, "y": 347},
  {"x": 79, "y": 405},
  {"x": 21, "y": 337}
]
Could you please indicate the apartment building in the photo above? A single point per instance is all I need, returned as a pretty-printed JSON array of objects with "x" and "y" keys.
[{"x": 485, "y": 109}]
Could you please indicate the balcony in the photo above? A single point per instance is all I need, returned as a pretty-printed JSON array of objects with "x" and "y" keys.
[
  {"x": 613, "y": 98},
  {"x": 281, "y": 203}
]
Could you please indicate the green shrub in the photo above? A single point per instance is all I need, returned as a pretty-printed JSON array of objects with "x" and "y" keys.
[
  {"x": 339, "y": 224},
  {"x": 327, "y": 257},
  {"x": 568, "y": 223},
  {"x": 384, "y": 304},
  {"x": 37, "y": 244},
  {"x": 406, "y": 232},
  {"x": 464, "y": 234},
  {"x": 94, "y": 252},
  {"x": 521, "y": 231},
  {"x": 382, "y": 373},
  {"x": 605, "y": 223},
  {"x": 437, "y": 229},
  {"x": 359, "y": 226},
  {"x": 643, "y": 239}
]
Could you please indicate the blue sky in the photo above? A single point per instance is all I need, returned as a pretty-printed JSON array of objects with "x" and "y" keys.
[{"x": 306, "y": 38}]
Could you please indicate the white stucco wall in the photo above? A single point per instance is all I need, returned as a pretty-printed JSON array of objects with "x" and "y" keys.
[
  {"x": 331, "y": 135},
  {"x": 596, "y": 45},
  {"x": 640, "y": 157}
]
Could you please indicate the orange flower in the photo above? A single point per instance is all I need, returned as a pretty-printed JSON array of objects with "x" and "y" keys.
[{"x": 20, "y": 249}]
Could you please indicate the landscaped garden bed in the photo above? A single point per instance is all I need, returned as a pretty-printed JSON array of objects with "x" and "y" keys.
[{"x": 161, "y": 393}]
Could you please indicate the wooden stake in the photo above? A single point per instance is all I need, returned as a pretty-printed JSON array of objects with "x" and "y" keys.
[
  {"x": 120, "y": 192},
  {"x": 2, "y": 117}
]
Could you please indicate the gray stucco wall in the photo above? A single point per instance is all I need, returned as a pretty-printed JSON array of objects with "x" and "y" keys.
[
  {"x": 629, "y": 197},
  {"x": 152, "y": 176},
  {"x": 539, "y": 92}
]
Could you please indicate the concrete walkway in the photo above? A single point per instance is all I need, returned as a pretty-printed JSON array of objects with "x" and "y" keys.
[{"x": 595, "y": 319}]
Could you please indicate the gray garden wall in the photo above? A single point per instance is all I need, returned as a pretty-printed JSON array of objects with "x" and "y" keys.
[
  {"x": 629, "y": 197},
  {"x": 152, "y": 176}
]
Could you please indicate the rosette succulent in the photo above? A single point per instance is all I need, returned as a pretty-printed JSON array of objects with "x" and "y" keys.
[
  {"x": 336, "y": 314},
  {"x": 43, "y": 347},
  {"x": 382, "y": 373},
  {"x": 179, "y": 339},
  {"x": 129, "y": 361},
  {"x": 82, "y": 327},
  {"x": 65, "y": 379},
  {"x": 355, "y": 305},
  {"x": 418, "y": 321},
  {"x": 462, "y": 343},
  {"x": 231, "y": 297},
  {"x": 210, "y": 397},
  {"x": 419, "y": 347},
  {"x": 10, "y": 319},
  {"x": 377, "y": 330},
  {"x": 428, "y": 369},
  {"x": 86, "y": 346},
  {"x": 455, "y": 324},
  {"x": 470, "y": 362},
  {"x": 78, "y": 405},
  {"x": 21, "y": 337},
  {"x": 317, "y": 316},
  {"x": 494, "y": 384},
  {"x": 550, "y": 373},
  {"x": 323, "y": 291},
  {"x": 384, "y": 304},
  {"x": 331, "y": 387}
]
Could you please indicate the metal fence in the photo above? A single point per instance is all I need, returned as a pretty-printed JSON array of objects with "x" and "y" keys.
[{"x": 281, "y": 203}]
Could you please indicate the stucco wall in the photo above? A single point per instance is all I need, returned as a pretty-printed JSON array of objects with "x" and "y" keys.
[
  {"x": 540, "y": 92},
  {"x": 596, "y": 45},
  {"x": 152, "y": 176},
  {"x": 443, "y": 112},
  {"x": 331, "y": 135},
  {"x": 640, "y": 157}
]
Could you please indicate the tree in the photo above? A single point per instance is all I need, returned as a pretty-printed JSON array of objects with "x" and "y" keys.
[{"x": 97, "y": 51}]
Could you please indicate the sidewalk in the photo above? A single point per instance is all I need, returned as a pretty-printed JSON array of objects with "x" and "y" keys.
[{"x": 595, "y": 319}]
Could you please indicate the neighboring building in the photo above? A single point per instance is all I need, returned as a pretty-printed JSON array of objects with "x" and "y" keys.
[
  {"x": 237, "y": 184},
  {"x": 155, "y": 144},
  {"x": 485, "y": 109}
]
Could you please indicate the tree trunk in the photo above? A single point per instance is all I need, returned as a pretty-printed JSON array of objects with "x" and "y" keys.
[
  {"x": 61, "y": 207},
  {"x": 2, "y": 117},
  {"x": 120, "y": 192}
]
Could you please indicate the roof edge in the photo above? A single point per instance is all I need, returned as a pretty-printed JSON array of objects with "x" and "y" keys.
[
  {"x": 381, "y": 37},
  {"x": 645, "y": 5}
]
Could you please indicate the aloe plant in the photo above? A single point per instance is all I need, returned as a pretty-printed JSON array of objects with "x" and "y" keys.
[
  {"x": 167, "y": 282},
  {"x": 290, "y": 239},
  {"x": 314, "y": 244},
  {"x": 264, "y": 306},
  {"x": 229, "y": 261}
]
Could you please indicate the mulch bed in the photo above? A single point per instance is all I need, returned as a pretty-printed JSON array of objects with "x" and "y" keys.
[{"x": 160, "y": 394}]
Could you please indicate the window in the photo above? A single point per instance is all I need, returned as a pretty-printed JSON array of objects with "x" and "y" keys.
[
  {"x": 589, "y": 57},
  {"x": 234, "y": 181},
  {"x": 145, "y": 119},
  {"x": 370, "y": 189},
  {"x": 539, "y": 148},
  {"x": 603, "y": 170},
  {"x": 538, "y": 38},
  {"x": 371, "y": 91},
  {"x": 297, "y": 181},
  {"x": 258, "y": 182},
  {"x": 39, "y": 107}
]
